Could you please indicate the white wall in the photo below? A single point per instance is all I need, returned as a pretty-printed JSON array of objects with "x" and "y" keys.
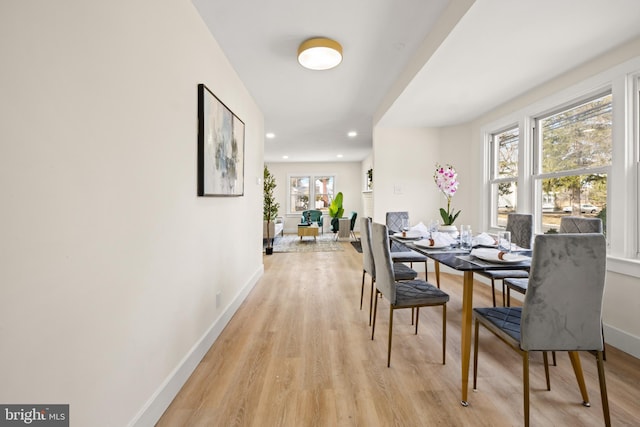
[
  {"x": 404, "y": 163},
  {"x": 110, "y": 264},
  {"x": 348, "y": 180}
]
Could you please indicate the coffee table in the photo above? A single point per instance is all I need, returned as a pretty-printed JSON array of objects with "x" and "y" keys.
[{"x": 308, "y": 230}]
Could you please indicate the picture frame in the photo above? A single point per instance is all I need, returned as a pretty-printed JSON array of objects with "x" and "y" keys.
[{"x": 220, "y": 147}]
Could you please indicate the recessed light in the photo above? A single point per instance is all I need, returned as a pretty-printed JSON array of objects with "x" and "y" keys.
[
  {"x": 339, "y": 156},
  {"x": 352, "y": 134},
  {"x": 285, "y": 157},
  {"x": 270, "y": 135}
]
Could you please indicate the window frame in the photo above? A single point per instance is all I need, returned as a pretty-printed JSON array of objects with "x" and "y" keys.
[
  {"x": 538, "y": 176},
  {"x": 623, "y": 228},
  {"x": 494, "y": 179},
  {"x": 312, "y": 193}
]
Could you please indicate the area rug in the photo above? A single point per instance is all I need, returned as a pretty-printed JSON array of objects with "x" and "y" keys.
[{"x": 292, "y": 243}]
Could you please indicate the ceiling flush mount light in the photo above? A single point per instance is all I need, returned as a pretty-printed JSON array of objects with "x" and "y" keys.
[
  {"x": 352, "y": 134},
  {"x": 270, "y": 135},
  {"x": 319, "y": 53}
]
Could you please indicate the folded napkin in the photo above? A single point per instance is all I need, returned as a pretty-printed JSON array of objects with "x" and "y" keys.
[
  {"x": 484, "y": 239},
  {"x": 497, "y": 255},
  {"x": 420, "y": 228},
  {"x": 441, "y": 239}
]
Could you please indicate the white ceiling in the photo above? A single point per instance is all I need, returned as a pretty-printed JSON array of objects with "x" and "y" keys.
[{"x": 498, "y": 50}]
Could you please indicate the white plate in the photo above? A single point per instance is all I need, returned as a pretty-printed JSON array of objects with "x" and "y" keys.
[
  {"x": 513, "y": 259},
  {"x": 411, "y": 235},
  {"x": 425, "y": 243}
]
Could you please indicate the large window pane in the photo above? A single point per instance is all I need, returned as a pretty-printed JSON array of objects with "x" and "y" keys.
[
  {"x": 505, "y": 202},
  {"x": 577, "y": 138},
  {"x": 299, "y": 193},
  {"x": 507, "y": 143},
  {"x": 504, "y": 176},
  {"x": 576, "y": 195},
  {"x": 323, "y": 190}
]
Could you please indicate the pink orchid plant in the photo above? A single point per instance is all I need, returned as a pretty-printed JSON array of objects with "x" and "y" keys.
[{"x": 447, "y": 182}]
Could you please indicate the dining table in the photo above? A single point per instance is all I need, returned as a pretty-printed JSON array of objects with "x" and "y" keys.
[{"x": 463, "y": 261}]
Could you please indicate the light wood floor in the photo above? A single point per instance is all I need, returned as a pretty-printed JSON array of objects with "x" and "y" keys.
[{"x": 299, "y": 353}]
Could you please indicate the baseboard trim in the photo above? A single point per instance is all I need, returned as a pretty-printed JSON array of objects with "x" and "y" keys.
[
  {"x": 153, "y": 409},
  {"x": 622, "y": 340}
]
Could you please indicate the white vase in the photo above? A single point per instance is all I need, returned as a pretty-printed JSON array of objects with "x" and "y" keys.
[{"x": 451, "y": 229}]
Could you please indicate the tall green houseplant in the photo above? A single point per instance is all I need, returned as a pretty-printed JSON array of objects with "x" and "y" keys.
[
  {"x": 270, "y": 206},
  {"x": 336, "y": 211}
]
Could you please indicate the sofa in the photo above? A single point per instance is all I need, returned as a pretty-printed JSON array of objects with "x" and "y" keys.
[{"x": 276, "y": 228}]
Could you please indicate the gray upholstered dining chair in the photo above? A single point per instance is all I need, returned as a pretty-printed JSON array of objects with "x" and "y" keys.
[
  {"x": 409, "y": 294},
  {"x": 400, "y": 271},
  {"x": 568, "y": 224},
  {"x": 562, "y": 309},
  {"x": 395, "y": 222},
  {"x": 521, "y": 228},
  {"x": 578, "y": 224}
]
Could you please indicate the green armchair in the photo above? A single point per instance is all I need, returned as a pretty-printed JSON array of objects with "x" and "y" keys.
[{"x": 312, "y": 215}]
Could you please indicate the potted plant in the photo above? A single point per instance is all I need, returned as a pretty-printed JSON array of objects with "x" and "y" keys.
[
  {"x": 446, "y": 178},
  {"x": 336, "y": 211},
  {"x": 270, "y": 207}
]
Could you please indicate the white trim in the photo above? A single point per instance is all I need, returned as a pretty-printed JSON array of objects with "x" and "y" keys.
[
  {"x": 153, "y": 409},
  {"x": 622, "y": 340}
]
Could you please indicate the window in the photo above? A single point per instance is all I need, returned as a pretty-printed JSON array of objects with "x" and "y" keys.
[
  {"x": 504, "y": 175},
  {"x": 304, "y": 195},
  {"x": 573, "y": 158}
]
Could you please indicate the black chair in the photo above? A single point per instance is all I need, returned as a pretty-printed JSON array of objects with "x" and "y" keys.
[
  {"x": 352, "y": 218},
  {"x": 561, "y": 312},
  {"x": 521, "y": 228},
  {"x": 410, "y": 294}
]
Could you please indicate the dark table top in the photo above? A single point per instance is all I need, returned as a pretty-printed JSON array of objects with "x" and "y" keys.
[{"x": 462, "y": 261}]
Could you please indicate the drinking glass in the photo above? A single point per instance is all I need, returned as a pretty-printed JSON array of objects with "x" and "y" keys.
[
  {"x": 465, "y": 237},
  {"x": 433, "y": 227},
  {"x": 504, "y": 241}
]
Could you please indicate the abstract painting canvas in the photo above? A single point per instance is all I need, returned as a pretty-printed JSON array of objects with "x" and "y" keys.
[{"x": 220, "y": 147}]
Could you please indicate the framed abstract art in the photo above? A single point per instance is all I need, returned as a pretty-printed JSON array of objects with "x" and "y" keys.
[{"x": 220, "y": 147}]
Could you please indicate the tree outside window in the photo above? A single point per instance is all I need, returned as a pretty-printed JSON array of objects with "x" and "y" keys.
[{"x": 575, "y": 154}]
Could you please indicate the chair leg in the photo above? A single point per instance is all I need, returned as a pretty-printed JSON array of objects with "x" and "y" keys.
[
  {"x": 525, "y": 385},
  {"x": 390, "y": 335},
  {"x": 413, "y": 312},
  {"x": 362, "y": 289},
  {"x": 417, "y": 317},
  {"x": 444, "y": 333},
  {"x": 546, "y": 369},
  {"x": 475, "y": 355},
  {"x": 371, "y": 298},
  {"x": 577, "y": 369},
  {"x": 604, "y": 350},
  {"x": 503, "y": 292},
  {"x": 493, "y": 291},
  {"x": 603, "y": 388},
  {"x": 375, "y": 311},
  {"x": 436, "y": 267},
  {"x": 508, "y": 296},
  {"x": 553, "y": 358}
]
